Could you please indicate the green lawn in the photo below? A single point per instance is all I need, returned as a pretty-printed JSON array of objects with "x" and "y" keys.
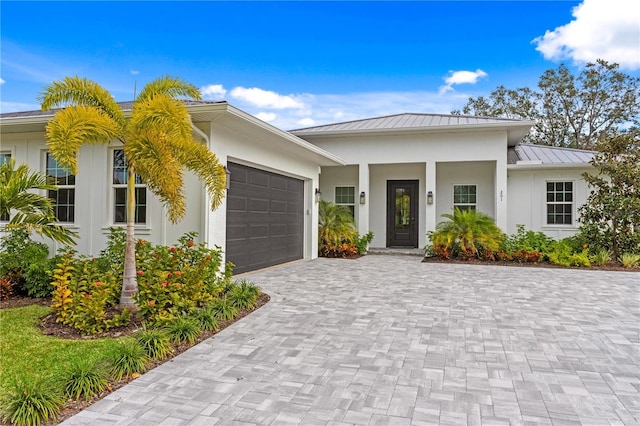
[{"x": 26, "y": 353}]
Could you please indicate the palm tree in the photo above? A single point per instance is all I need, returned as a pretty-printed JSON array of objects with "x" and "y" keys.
[
  {"x": 156, "y": 138},
  {"x": 469, "y": 229},
  {"x": 335, "y": 224},
  {"x": 29, "y": 210}
]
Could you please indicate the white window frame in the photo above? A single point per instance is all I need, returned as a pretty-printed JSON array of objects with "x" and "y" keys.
[
  {"x": 548, "y": 203},
  {"x": 464, "y": 206},
  {"x": 60, "y": 187},
  {"x": 352, "y": 205},
  {"x": 114, "y": 186}
]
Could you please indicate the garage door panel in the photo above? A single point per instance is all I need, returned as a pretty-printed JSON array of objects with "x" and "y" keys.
[{"x": 265, "y": 218}]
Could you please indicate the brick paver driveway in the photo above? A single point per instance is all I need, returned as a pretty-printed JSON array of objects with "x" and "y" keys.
[{"x": 390, "y": 340}]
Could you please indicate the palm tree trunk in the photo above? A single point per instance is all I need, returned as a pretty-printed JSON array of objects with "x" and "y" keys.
[{"x": 129, "y": 283}]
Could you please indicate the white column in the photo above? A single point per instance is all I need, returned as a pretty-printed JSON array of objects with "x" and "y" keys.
[
  {"x": 430, "y": 185},
  {"x": 501, "y": 194},
  {"x": 363, "y": 209}
]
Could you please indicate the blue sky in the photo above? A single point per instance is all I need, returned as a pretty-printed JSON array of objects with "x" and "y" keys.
[{"x": 296, "y": 64}]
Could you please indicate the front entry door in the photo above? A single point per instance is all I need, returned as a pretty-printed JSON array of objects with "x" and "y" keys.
[{"x": 402, "y": 213}]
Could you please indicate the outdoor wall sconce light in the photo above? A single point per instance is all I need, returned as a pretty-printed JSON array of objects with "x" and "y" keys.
[
  {"x": 228, "y": 180},
  {"x": 430, "y": 197},
  {"x": 318, "y": 195},
  {"x": 363, "y": 198}
]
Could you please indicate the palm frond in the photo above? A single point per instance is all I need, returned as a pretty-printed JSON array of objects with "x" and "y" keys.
[
  {"x": 43, "y": 224},
  {"x": 74, "y": 126},
  {"x": 151, "y": 157},
  {"x": 171, "y": 86},
  {"x": 15, "y": 184},
  {"x": 163, "y": 114},
  {"x": 81, "y": 91},
  {"x": 205, "y": 164}
]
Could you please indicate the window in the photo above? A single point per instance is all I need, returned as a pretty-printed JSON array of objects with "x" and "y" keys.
[
  {"x": 346, "y": 196},
  {"x": 64, "y": 198},
  {"x": 120, "y": 191},
  {"x": 559, "y": 203},
  {"x": 4, "y": 158},
  {"x": 464, "y": 197}
]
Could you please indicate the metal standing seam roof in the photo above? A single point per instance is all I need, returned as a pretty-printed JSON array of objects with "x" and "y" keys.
[
  {"x": 406, "y": 121},
  {"x": 126, "y": 106},
  {"x": 548, "y": 154}
]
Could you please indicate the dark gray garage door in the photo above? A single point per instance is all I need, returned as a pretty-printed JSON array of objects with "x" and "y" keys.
[{"x": 265, "y": 218}]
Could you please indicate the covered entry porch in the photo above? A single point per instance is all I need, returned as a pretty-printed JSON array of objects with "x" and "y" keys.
[{"x": 401, "y": 203}]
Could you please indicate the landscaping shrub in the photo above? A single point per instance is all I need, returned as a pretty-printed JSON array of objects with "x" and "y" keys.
[
  {"x": 362, "y": 242},
  {"x": 467, "y": 233},
  {"x": 223, "y": 309},
  {"x": 31, "y": 403},
  {"x": 630, "y": 260},
  {"x": 527, "y": 241},
  {"x": 25, "y": 264},
  {"x": 155, "y": 342},
  {"x": 86, "y": 379},
  {"x": 177, "y": 280},
  {"x": 130, "y": 358},
  {"x": 602, "y": 257},
  {"x": 206, "y": 319},
  {"x": 183, "y": 329},
  {"x": 244, "y": 295},
  {"x": 84, "y": 297},
  {"x": 6, "y": 289},
  {"x": 563, "y": 253}
]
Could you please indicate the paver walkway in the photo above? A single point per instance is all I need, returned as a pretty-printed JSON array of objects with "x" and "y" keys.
[{"x": 390, "y": 340}]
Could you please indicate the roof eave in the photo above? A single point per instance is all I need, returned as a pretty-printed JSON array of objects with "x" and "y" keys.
[
  {"x": 530, "y": 166},
  {"x": 523, "y": 126}
]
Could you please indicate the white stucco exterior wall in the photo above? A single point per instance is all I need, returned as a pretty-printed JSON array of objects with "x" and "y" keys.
[
  {"x": 527, "y": 198},
  {"x": 436, "y": 159},
  {"x": 94, "y": 204}
]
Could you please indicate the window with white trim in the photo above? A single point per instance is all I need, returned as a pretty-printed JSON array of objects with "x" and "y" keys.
[
  {"x": 64, "y": 198},
  {"x": 119, "y": 183},
  {"x": 346, "y": 196},
  {"x": 465, "y": 197},
  {"x": 5, "y": 156},
  {"x": 559, "y": 203}
]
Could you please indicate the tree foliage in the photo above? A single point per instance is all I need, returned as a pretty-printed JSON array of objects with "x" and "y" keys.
[
  {"x": 28, "y": 209},
  {"x": 157, "y": 141},
  {"x": 568, "y": 110},
  {"x": 611, "y": 216}
]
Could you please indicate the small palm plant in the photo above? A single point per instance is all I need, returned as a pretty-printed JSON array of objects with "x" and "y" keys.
[
  {"x": 335, "y": 226},
  {"x": 27, "y": 209},
  {"x": 469, "y": 231}
]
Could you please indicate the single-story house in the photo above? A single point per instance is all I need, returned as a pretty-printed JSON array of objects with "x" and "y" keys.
[{"x": 398, "y": 174}]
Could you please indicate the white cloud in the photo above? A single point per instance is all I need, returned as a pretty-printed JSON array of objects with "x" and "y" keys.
[
  {"x": 330, "y": 108},
  {"x": 265, "y": 98},
  {"x": 266, "y": 116},
  {"x": 306, "y": 122},
  {"x": 213, "y": 91},
  {"x": 134, "y": 72},
  {"x": 602, "y": 29},
  {"x": 461, "y": 77},
  {"x": 2, "y": 82}
]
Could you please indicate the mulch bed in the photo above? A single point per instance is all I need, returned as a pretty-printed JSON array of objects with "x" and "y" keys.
[
  {"x": 610, "y": 266},
  {"x": 50, "y": 327}
]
